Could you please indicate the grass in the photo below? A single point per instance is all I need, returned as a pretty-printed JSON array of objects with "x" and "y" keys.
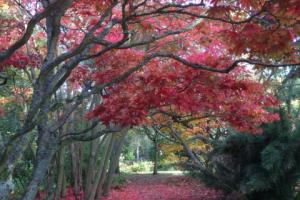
[
  {"x": 146, "y": 167},
  {"x": 173, "y": 172}
]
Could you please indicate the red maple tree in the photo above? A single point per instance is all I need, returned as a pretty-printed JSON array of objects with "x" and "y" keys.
[{"x": 192, "y": 56}]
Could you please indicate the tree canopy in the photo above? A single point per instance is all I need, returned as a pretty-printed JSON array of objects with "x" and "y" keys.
[{"x": 114, "y": 64}]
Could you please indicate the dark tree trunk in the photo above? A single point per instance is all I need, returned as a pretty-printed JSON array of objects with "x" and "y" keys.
[
  {"x": 90, "y": 171},
  {"x": 76, "y": 169},
  {"x": 47, "y": 146},
  {"x": 117, "y": 171},
  {"x": 64, "y": 191},
  {"x": 156, "y": 154},
  {"x": 60, "y": 174}
]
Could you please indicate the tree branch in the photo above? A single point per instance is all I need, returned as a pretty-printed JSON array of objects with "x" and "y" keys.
[{"x": 29, "y": 30}]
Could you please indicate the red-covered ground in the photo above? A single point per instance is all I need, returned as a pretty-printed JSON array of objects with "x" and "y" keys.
[
  {"x": 159, "y": 187},
  {"x": 163, "y": 187}
]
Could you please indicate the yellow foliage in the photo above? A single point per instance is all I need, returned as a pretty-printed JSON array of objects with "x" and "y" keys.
[
  {"x": 4, "y": 100},
  {"x": 168, "y": 148},
  {"x": 187, "y": 126},
  {"x": 188, "y": 134},
  {"x": 3, "y": 5}
]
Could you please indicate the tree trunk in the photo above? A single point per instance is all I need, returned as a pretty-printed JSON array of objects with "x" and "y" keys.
[
  {"x": 137, "y": 153},
  {"x": 102, "y": 168},
  {"x": 90, "y": 173},
  {"x": 156, "y": 152},
  {"x": 75, "y": 155},
  {"x": 117, "y": 171},
  {"x": 76, "y": 149},
  {"x": 47, "y": 146},
  {"x": 60, "y": 174},
  {"x": 117, "y": 147},
  {"x": 64, "y": 191},
  {"x": 14, "y": 155},
  {"x": 49, "y": 186}
]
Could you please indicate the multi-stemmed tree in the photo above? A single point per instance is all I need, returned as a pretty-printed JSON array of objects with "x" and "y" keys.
[{"x": 190, "y": 57}]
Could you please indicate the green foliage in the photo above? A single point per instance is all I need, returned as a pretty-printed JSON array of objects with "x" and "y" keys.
[
  {"x": 136, "y": 139},
  {"x": 139, "y": 166},
  {"x": 22, "y": 172},
  {"x": 128, "y": 154},
  {"x": 260, "y": 167},
  {"x": 118, "y": 181}
]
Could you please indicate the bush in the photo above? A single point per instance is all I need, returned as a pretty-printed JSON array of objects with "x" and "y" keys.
[
  {"x": 261, "y": 167},
  {"x": 118, "y": 181},
  {"x": 140, "y": 166}
]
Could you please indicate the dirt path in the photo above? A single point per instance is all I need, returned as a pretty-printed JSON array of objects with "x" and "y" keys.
[{"x": 162, "y": 187}]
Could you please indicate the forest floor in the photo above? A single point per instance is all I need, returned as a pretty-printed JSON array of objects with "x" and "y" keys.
[{"x": 162, "y": 187}]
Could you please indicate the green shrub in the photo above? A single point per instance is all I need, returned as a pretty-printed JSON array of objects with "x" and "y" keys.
[
  {"x": 139, "y": 166},
  {"x": 260, "y": 167},
  {"x": 118, "y": 181}
]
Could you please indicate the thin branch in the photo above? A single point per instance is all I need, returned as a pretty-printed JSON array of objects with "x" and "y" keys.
[
  {"x": 228, "y": 68},
  {"x": 79, "y": 133},
  {"x": 89, "y": 137},
  {"x": 29, "y": 30},
  {"x": 162, "y": 11}
]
